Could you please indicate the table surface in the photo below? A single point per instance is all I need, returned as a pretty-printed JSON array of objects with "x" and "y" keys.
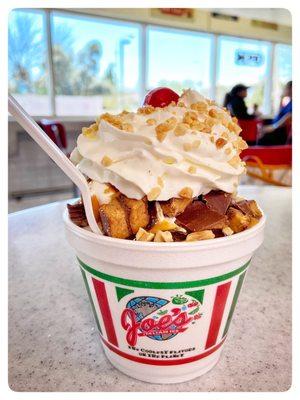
[{"x": 53, "y": 343}]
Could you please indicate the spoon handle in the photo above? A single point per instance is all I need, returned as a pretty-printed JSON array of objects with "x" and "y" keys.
[{"x": 40, "y": 137}]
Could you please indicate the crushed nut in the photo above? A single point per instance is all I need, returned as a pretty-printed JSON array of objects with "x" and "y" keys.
[
  {"x": 202, "y": 235},
  {"x": 144, "y": 236},
  {"x": 164, "y": 225},
  {"x": 169, "y": 160},
  {"x": 189, "y": 117},
  {"x": 234, "y": 161},
  {"x": 181, "y": 129},
  {"x": 160, "y": 181},
  {"x": 196, "y": 144},
  {"x": 186, "y": 192},
  {"x": 146, "y": 110},
  {"x": 163, "y": 236},
  {"x": 151, "y": 121},
  {"x": 237, "y": 220},
  {"x": 240, "y": 144},
  {"x": 90, "y": 131},
  {"x": 220, "y": 143},
  {"x": 192, "y": 169},
  {"x": 227, "y": 231},
  {"x": 163, "y": 128},
  {"x": 106, "y": 161},
  {"x": 200, "y": 106},
  {"x": 187, "y": 146},
  {"x": 127, "y": 127},
  {"x": 228, "y": 150},
  {"x": 154, "y": 193}
]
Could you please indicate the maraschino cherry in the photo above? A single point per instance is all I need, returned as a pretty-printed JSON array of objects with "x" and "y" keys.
[{"x": 160, "y": 97}]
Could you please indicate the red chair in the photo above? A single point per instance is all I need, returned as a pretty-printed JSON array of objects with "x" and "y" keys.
[
  {"x": 250, "y": 129},
  {"x": 56, "y": 132},
  {"x": 271, "y": 164}
]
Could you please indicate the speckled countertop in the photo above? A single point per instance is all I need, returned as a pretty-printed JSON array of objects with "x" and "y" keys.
[{"x": 53, "y": 343}]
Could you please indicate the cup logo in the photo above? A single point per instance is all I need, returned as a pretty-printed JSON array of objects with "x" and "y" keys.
[{"x": 158, "y": 318}]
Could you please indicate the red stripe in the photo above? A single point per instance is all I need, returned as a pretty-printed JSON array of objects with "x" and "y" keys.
[
  {"x": 150, "y": 361},
  {"x": 217, "y": 314},
  {"x": 105, "y": 311}
]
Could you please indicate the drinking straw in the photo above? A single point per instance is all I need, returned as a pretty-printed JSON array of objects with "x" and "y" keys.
[{"x": 40, "y": 137}]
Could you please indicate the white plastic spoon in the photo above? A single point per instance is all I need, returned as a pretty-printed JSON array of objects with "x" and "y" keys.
[{"x": 57, "y": 156}]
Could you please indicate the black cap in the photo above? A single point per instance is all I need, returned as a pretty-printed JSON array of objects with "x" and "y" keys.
[{"x": 238, "y": 88}]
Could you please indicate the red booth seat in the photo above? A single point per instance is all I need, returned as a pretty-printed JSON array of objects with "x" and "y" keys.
[
  {"x": 250, "y": 129},
  {"x": 270, "y": 155}
]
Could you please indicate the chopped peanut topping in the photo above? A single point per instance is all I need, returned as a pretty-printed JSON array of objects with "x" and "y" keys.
[
  {"x": 228, "y": 150},
  {"x": 187, "y": 146},
  {"x": 192, "y": 169},
  {"x": 164, "y": 225},
  {"x": 227, "y": 231},
  {"x": 186, "y": 192},
  {"x": 163, "y": 236},
  {"x": 163, "y": 128},
  {"x": 202, "y": 235},
  {"x": 212, "y": 139},
  {"x": 144, "y": 236},
  {"x": 146, "y": 110},
  {"x": 151, "y": 121},
  {"x": 127, "y": 127},
  {"x": 90, "y": 131},
  {"x": 220, "y": 143},
  {"x": 189, "y": 117},
  {"x": 169, "y": 160},
  {"x": 114, "y": 120},
  {"x": 199, "y": 126},
  {"x": 211, "y": 122},
  {"x": 181, "y": 129},
  {"x": 234, "y": 161},
  {"x": 240, "y": 144},
  {"x": 200, "y": 106},
  {"x": 196, "y": 144},
  {"x": 154, "y": 193},
  {"x": 237, "y": 220},
  {"x": 106, "y": 161},
  {"x": 234, "y": 127},
  {"x": 160, "y": 181},
  {"x": 225, "y": 135}
]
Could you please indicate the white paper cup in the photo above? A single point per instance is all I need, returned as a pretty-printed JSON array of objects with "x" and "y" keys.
[{"x": 163, "y": 309}]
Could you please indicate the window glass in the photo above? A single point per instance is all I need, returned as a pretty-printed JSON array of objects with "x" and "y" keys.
[
  {"x": 96, "y": 65},
  {"x": 179, "y": 59},
  {"x": 282, "y": 73},
  {"x": 243, "y": 61},
  {"x": 27, "y": 61}
]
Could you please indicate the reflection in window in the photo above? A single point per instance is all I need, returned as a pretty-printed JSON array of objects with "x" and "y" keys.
[
  {"x": 179, "y": 59},
  {"x": 243, "y": 61},
  {"x": 282, "y": 72},
  {"x": 96, "y": 65},
  {"x": 27, "y": 61}
]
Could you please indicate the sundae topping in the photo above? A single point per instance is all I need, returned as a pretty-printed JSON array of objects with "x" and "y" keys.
[
  {"x": 161, "y": 97},
  {"x": 167, "y": 173},
  {"x": 198, "y": 217},
  {"x": 193, "y": 144}
]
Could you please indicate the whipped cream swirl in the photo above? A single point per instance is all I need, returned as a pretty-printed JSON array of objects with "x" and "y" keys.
[{"x": 156, "y": 152}]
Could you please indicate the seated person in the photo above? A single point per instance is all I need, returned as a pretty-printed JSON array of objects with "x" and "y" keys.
[
  {"x": 235, "y": 103},
  {"x": 276, "y": 133}
]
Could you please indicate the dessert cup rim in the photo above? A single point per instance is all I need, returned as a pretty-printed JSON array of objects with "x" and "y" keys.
[{"x": 125, "y": 243}]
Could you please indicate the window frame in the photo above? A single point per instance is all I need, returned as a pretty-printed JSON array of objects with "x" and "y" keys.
[{"x": 143, "y": 28}]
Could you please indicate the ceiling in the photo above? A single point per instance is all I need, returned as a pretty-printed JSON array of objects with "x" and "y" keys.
[{"x": 276, "y": 15}]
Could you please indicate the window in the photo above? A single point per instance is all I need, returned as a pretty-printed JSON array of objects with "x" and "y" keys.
[
  {"x": 95, "y": 64},
  {"x": 244, "y": 61},
  {"x": 282, "y": 72},
  {"x": 27, "y": 61},
  {"x": 179, "y": 59}
]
